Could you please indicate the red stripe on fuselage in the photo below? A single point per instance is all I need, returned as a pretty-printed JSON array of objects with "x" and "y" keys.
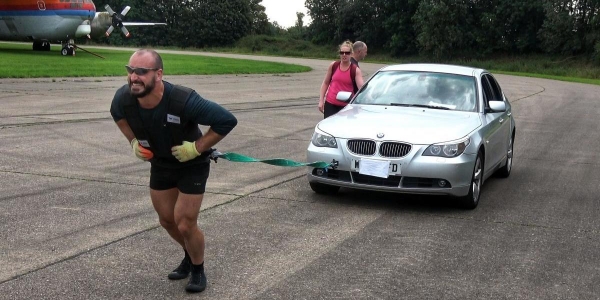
[{"x": 17, "y": 5}]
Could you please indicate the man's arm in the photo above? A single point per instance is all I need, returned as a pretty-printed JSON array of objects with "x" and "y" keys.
[
  {"x": 359, "y": 78},
  {"x": 204, "y": 112},
  {"x": 125, "y": 129},
  {"x": 139, "y": 151},
  {"x": 190, "y": 150},
  {"x": 209, "y": 139}
]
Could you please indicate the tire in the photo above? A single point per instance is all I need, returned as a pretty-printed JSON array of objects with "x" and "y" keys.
[
  {"x": 504, "y": 172},
  {"x": 324, "y": 189},
  {"x": 471, "y": 200},
  {"x": 64, "y": 51}
]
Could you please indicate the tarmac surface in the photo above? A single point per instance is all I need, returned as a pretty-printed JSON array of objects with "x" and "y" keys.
[{"x": 77, "y": 222}]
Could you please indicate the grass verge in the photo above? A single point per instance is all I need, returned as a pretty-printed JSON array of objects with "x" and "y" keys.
[
  {"x": 572, "y": 69},
  {"x": 19, "y": 61}
]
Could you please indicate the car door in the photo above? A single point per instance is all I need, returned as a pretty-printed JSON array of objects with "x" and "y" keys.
[
  {"x": 504, "y": 119},
  {"x": 494, "y": 126}
]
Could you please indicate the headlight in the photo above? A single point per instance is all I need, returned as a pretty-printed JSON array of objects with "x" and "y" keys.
[
  {"x": 323, "y": 140},
  {"x": 447, "y": 150}
]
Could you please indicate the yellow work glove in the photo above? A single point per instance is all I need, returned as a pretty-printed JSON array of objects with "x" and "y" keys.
[
  {"x": 186, "y": 151},
  {"x": 141, "y": 152}
]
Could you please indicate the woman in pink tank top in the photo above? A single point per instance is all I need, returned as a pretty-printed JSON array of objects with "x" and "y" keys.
[{"x": 341, "y": 81}]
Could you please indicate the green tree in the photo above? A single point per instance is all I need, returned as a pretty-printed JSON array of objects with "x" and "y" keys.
[
  {"x": 212, "y": 23},
  {"x": 392, "y": 26},
  {"x": 323, "y": 14},
  {"x": 508, "y": 26},
  {"x": 570, "y": 27},
  {"x": 444, "y": 28},
  {"x": 299, "y": 20},
  {"x": 260, "y": 21},
  {"x": 297, "y": 31}
]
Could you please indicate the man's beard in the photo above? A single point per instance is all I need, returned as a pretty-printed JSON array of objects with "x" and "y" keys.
[{"x": 147, "y": 89}]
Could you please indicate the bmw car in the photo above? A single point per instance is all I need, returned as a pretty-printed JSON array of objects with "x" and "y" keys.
[{"x": 419, "y": 129}]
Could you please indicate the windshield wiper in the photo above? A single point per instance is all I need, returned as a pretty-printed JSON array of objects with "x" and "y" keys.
[{"x": 420, "y": 105}]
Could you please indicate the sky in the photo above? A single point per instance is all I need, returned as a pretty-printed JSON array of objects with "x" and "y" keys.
[{"x": 284, "y": 11}]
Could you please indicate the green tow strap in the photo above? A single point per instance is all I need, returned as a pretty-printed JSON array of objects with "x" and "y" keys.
[{"x": 235, "y": 157}]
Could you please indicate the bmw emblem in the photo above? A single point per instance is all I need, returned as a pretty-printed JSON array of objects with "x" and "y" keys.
[{"x": 380, "y": 135}]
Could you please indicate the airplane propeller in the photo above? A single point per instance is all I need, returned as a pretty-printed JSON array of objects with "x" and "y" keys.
[{"x": 117, "y": 20}]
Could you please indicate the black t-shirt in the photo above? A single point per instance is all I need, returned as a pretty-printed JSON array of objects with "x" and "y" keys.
[{"x": 197, "y": 110}]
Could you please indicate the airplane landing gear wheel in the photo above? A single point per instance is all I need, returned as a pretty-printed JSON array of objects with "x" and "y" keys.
[
  {"x": 41, "y": 46},
  {"x": 68, "y": 50}
]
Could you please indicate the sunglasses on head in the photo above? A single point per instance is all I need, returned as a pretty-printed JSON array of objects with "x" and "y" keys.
[
  {"x": 139, "y": 71},
  {"x": 345, "y": 52}
]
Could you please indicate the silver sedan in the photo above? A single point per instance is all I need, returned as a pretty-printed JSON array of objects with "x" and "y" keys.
[{"x": 419, "y": 129}]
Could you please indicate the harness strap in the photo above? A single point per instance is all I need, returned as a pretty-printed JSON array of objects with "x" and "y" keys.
[
  {"x": 132, "y": 113},
  {"x": 177, "y": 99}
]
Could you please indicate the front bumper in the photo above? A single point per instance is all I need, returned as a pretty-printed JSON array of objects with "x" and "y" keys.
[{"x": 419, "y": 174}]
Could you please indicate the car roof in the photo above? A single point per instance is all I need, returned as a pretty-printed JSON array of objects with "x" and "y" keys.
[{"x": 437, "y": 68}]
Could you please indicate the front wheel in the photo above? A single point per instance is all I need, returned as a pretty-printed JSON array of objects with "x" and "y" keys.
[
  {"x": 324, "y": 189},
  {"x": 504, "y": 172},
  {"x": 68, "y": 50},
  {"x": 471, "y": 200}
]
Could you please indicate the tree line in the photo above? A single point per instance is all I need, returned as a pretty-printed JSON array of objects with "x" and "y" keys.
[{"x": 434, "y": 28}]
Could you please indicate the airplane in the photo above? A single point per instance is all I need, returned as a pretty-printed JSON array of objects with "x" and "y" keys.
[{"x": 59, "y": 21}]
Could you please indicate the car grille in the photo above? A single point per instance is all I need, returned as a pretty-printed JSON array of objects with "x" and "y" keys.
[
  {"x": 361, "y": 147},
  {"x": 386, "y": 149},
  {"x": 389, "y": 149}
]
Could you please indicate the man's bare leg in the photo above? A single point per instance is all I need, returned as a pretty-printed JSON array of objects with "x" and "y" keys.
[
  {"x": 187, "y": 209},
  {"x": 164, "y": 205}
]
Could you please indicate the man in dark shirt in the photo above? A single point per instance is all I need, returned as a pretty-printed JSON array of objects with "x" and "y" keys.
[
  {"x": 178, "y": 172},
  {"x": 359, "y": 51}
]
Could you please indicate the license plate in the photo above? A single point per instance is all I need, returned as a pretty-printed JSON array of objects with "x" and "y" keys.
[{"x": 393, "y": 169}]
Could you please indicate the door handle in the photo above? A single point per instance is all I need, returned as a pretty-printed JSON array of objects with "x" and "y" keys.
[{"x": 501, "y": 120}]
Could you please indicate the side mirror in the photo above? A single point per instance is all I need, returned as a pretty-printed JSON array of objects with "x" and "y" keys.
[
  {"x": 343, "y": 96},
  {"x": 497, "y": 106}
]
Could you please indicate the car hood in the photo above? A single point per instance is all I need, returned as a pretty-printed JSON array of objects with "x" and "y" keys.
[{"x": 406, "y": 124}]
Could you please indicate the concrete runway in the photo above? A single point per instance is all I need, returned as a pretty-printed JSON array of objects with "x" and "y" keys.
[{"x": 77, "y": 222}]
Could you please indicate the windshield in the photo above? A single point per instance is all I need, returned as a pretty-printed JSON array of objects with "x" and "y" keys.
[{"x": 422, "y": 89}]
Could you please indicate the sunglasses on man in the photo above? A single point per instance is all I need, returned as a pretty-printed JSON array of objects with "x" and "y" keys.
[
  {"x": 345, "y": 52},
  {"x": 139, "y": 71}
]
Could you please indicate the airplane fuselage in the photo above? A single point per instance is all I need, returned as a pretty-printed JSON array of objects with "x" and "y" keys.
[{"x": 45, "y": 20}]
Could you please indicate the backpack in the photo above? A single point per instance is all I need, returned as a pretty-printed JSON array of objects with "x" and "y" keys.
[
  {"x": 180, "y": 129},
  {"x": 353, "y": 67}
]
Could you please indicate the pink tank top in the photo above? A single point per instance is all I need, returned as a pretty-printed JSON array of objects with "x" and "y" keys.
[{"x": 340, "y": 82}]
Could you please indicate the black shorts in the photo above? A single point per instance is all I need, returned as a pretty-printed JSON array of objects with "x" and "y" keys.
[{"x": 189, "y": 180}]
